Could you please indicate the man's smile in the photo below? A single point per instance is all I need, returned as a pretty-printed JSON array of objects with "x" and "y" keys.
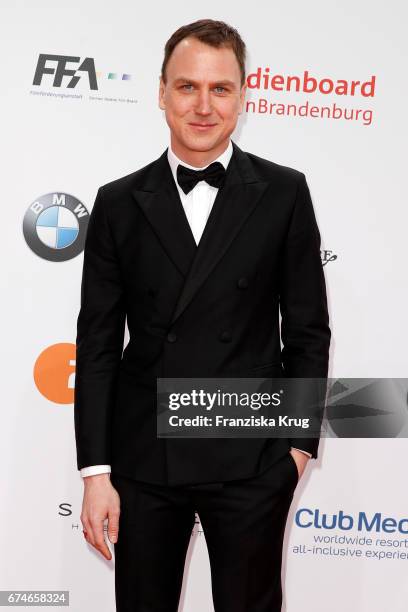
[{"x": 202, "y": 127}]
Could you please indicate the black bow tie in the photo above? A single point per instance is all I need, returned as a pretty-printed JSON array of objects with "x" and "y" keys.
[{"x": 187, "y": 178}]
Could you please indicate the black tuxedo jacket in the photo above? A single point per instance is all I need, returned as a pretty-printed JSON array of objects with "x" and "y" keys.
[{"x": 210, "y": 310}]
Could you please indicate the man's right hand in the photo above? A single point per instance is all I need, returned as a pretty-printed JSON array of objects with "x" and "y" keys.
[{"x": 101, "y": 501}]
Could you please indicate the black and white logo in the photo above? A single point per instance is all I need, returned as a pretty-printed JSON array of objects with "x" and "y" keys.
[
  {"x": 57, "y": 66},
  {"x": 327, "y": 256},
  {"x": 55, "y": 226}
]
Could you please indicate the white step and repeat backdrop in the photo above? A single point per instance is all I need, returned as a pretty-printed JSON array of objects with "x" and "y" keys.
[{"x": 67, "y": 134}]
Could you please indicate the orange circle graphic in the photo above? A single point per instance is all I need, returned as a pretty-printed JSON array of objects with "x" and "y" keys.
[{"x": 54, "y": 372}]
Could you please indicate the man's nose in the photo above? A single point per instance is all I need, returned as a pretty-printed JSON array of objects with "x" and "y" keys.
[{"x": 203, "y": 105}]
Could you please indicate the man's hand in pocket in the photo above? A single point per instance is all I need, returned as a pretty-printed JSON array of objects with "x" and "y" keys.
[{"x": 300, "y": 459}]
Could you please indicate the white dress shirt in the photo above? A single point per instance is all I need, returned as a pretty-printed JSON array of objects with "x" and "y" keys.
[{"x": 197, "y": 206}]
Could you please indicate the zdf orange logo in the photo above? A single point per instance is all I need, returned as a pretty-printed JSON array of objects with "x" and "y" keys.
[{"x": 54, "y": 373}]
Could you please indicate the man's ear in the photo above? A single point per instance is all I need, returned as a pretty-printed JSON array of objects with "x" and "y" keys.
[
  {"x": 162, "y": 96},
  {"x": 242, "y": 97}
]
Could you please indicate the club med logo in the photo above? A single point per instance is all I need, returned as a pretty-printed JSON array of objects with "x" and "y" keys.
[
  {"x": 54, "y": 373},
  {"x": 307, "y": 517},
  {"x": 69, "y": 77},
  {"x": 55, "y": 225}
]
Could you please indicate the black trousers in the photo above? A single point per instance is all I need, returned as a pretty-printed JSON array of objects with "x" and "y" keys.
[{"x": 243, "y": 522}]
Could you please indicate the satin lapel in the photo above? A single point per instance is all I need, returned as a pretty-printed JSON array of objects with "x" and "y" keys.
[
  {"x": 232, "y": 206},
  {"x": 160, "y": 202}
]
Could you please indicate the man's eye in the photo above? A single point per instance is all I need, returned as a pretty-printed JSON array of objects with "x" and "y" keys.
[
  {"x": 186, "y": 86},
  {"x": 220, "y": 89}
]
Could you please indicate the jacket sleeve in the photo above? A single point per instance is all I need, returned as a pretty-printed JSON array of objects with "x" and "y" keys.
[
  {"x": 305, "y": 328},
  {"x": 99, "y": 340}
]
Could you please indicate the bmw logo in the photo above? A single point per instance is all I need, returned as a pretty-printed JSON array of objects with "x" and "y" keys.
[{"x": 55, "y": 226}]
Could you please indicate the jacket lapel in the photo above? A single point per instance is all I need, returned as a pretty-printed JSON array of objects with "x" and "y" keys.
[
  {"x": 160, "y": 202},
  {"x": 235, "y": 201}
]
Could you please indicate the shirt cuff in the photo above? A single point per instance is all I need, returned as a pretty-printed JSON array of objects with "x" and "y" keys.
[
  {"x": 302, "y": 451},
  {"x": 92, "y": 470}
]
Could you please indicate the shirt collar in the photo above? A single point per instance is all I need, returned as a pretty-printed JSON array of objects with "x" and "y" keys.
[{"x": 174, "y": 161}]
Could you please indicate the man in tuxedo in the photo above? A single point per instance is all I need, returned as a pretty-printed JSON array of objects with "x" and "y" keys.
[{"x": 199, "y": 250}]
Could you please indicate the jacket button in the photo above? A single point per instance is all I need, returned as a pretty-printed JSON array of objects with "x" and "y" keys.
[
  {"x": 225, "y": 336},
  {"x": 171, "y": 337},
  {"x": 242, "y": 283}
]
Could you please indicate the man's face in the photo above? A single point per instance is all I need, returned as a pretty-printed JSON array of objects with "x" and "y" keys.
[{"x": 202, "y": 97}]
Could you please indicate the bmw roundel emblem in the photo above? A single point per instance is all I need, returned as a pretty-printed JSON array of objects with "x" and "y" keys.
[{"x": 55, "y": 226}]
